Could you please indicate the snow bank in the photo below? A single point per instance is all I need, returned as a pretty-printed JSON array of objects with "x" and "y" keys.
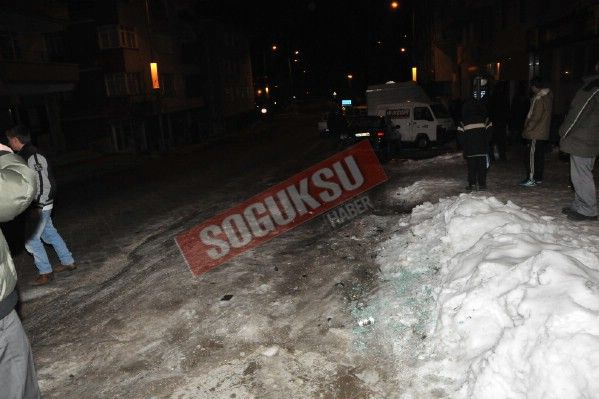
[
  {"x": 506, "y": 302},
  {"x": 421, "y": 189}
]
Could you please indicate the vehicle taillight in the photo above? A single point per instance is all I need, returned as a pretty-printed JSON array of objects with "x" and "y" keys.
[{"x": 380, "y": 134}]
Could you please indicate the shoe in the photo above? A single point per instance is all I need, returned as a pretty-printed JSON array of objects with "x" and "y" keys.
[
  {"x": 528, "y": 183},
  {"x": 43, "y": 279},
  {"x": 578, "y": 217},
  {"x": 65, "y": 268},
  {"x": 469, "y": 188},
  {"x": 567, "y": 210}
]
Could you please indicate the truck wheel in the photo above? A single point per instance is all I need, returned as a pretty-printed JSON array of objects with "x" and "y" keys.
[{"x": 423, "y": 142}]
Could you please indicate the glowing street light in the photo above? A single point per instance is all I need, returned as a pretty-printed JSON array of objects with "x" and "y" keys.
[
  {"x": 403, "y": 49},
  {"x": 394, "y": 5},
  {"x": 274, "y": 47},
  {"x": 350, "y": 76},
  {"x": 296, "y": 52}
]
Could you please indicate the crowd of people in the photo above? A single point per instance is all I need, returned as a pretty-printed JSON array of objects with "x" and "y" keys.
[{"x": 485, "y": 120}]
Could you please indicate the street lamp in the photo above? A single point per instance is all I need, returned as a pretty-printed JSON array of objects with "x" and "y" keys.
[
  {"x": 394, "y": 5},
  {"x": 403, "y": 49},
  {"x": 274, "y": 47}
]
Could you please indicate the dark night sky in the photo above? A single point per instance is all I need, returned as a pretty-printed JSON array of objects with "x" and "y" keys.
[{"x": 334, "y": 38}]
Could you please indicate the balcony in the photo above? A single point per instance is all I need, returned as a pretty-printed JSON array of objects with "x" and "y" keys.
[{"x": 33, "y": 73}]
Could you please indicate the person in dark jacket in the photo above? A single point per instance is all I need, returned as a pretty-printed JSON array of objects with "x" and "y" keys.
[
  {"x": 474, "y": 135},
  {"x": 19, "y": 140},
  {"x": 580, "y": 138}
]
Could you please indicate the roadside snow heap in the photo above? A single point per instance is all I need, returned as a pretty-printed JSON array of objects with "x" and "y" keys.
[{"x": 509, "y": 308}]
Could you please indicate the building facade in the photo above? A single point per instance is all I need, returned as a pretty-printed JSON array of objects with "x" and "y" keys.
[
  {"x": 78, "y": 72},
  {"x": 512, "y": 41},
  {"x": 117, "y": 107},
  {"x": 36, "y": 71}
]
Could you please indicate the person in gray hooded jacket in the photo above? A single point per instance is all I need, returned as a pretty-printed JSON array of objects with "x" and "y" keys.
[
  {"x": 17, "y": 372},
  {"x": 579, "y": 137}
]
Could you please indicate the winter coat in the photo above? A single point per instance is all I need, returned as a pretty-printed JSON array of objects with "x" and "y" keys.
[
  {"x": 17, "y": 190},
  {"x": 580, "y": 130},
  {"x": 475, "y": 129},
  {"x": 538, "y": 120},
  {"x": 46, "y": 185}
]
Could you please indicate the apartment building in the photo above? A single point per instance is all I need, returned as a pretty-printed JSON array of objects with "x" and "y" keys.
[
  {"x": 36, "y": 71},
  {"x": 512, "y": 40}
]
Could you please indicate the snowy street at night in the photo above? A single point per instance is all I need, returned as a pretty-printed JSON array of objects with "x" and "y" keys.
[{"x": 435, "y": 293}]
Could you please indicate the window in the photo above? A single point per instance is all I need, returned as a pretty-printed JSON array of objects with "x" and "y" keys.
[
  {"x": 55, "y": 46},
  {"x": 128, "y": 135},
  {"x": 523, "y": 11},
  {"x": 167, "y": 84},
  {"x": 401, "y": 113},
  {"x": 9, "y": 49},
  {"x": 533, "y": 65},
  {"x": 123, "y": 84},
  {"x": 422, "y": 114},
  {"x": 194, "y": 86},
  {"x": 113, "y": 36}
]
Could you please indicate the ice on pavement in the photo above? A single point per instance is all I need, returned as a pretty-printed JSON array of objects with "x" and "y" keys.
[{"x": 485, "y": 299}]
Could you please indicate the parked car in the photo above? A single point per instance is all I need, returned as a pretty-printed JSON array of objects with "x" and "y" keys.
[
  {"x": 385, "y": 139},
  {"x": 420, "y": 123}
]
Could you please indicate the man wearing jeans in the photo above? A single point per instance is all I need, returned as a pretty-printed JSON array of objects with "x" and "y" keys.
[{"x": 19, "y": 140}]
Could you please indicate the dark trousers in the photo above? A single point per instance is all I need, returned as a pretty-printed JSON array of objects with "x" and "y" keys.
[
  {"x": 477, "y": 170},
  {"x": 535, "y": 164}
]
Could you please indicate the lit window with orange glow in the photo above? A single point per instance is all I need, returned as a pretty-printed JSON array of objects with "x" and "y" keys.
[
  {"x": 154, "y": 74},
  {"x": 415, "y": 74}
]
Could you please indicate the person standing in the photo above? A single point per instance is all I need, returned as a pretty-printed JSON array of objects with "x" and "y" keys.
[
  {"x": 474, "y": 135},
  {"x": 19, "y": 139},
  {"x": 18, "y": 379},
  {"x": 579, "y": 137},
  {"x": 536, "y": 131}
]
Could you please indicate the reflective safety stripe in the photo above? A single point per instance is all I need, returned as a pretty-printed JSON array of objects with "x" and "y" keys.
[{"x": 475, "y": 126}]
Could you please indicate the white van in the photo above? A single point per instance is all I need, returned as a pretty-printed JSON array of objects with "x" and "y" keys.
[{"x": 418, "y": 122}]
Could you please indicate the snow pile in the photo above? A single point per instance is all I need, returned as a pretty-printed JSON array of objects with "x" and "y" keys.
[
  {"x": 506, "y": 303},
  {"x": 422, "y": 189}
]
